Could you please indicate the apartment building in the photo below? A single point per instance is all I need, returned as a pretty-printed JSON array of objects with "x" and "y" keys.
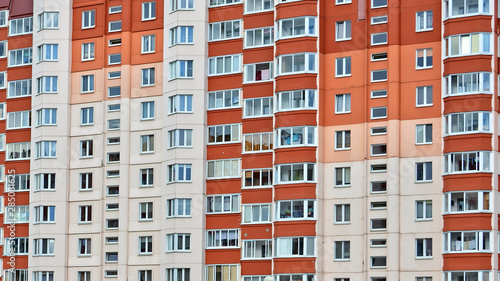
[{"x": 237, "y": 140}]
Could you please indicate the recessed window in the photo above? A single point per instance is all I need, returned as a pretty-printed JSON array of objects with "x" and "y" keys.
[
  {"x": 424, "y": 19},
  {"x": 112, "y": 224},
  {"x": 423, "y": 134},
  {"x": 343, "y": 140},
  {"x": 88, "y": 19},
  {"x": 378, "y": 149},
  {"x": 379, "y": 205},
  {"x": 378, "y": 262},
  {"x": 423, "y": 210},
  {"x": 147, "y": 177},
  {"x": 147, "y": 143},
  {"x": 114, "y": 124},
  {"x": 111, "y": 240},
  {"x": 339, "y": 2},
  {"x": 114, "y": 74},
  {"x": 87, "y": 83},
  {"x": 423, "y": 248},
  {"x": 379, "y": 38},
  {"x": 342, "y": 103},
  {"x": 181, "y": 35},
  {"x": 342, "y": 250},
  {"x": 110, "y": 273},
  {"x": 86, "y": 148},
  {"x": 115, "y": 26},
  {"x": 342, "y": 213},
  {"x": 378, "y": 186},
  {"x": 378, "y": 94},
  {"x": 224, "y": 30},
  {"x": 378, "y": 224},
  {"x": 424, "y": 96},
  {"x": 112, "y": 207},
  {"x": 379, "y": 75},
  {"x": 378, "y": 131},
  {"x": 343, "y": 30},
  {"x": 88, "y": 52},
  {"x": 112, "y": 190},
  {"x": 379, "y": 3},
  {"x": 145, "y": 211},
  {"x": 113, "y": 140},
  {"x": 113, "y": 174},
  {"x": 379, "y": 20},
  {"x": 115, "y": 9},
  {"x": 379, "y": 56},
  {"x": 378, "y": 243},
  {"x": 111, "y": 257},
  {"x": 424, "y": 58},
  {"x": 3, "y": 49},
  {"x": 147, "y": 77},
  {"x": 378, "y": 168},
  {"x": 148, "y": 44},
  {"x": 87, "y": 116},
  {"x": 113, "y": 107},
  {"x": 379, "y": 112},
  {"x": 149, "y": 10},
  {"x": 342, "y": 177},
  {"x": 184, "y": 68},
  {"x": 343, "y": 67},
  {"x": 114, "y": 59},
  {"x": 113, "y": 157},
  {"x": 114, "y": 91},
  {"x": 115, "y": 42}
]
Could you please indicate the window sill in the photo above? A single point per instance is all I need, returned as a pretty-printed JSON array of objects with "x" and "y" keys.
[
  {"x": 260, "y": 222},
  {"x": 145, "y": 254},
  {"x": 423, "y": 258},
  {"x": 341, "y": 260},
  {"x": 423, "y": 181},
  {"x": 424, "y": 67},
  {"x": 423, "y": 143},
  {"x": 424, "y": 105},
  {"x": 342, "y": 149},
  {"x": 342, "y": 39},
  {"x": 424, "y": 30},
  {"x": 342, "y": 223},
  {"x": 295, "y": 219},
  {"x": 422, "y": 220},
  {"x": 343, "y": 75},
  {"x": 259, "y": 81}
]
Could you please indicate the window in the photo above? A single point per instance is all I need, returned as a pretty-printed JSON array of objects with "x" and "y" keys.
[
  {"x": 379, "y": 75},
  {"x": 257, "y": 249},
  {"x": 3, "y": 18},
  {"x": 258, "y": 107},
  {"x": 379, "y": 57},
  {"x": 46, "y": 149},
  {"x": 259, "y": 142},
  {"x": 295, "y": 100},
  {"x": 343, "y": 213},
  {"x": 298, "y": 277},
  {"x": 259, "y": 37},
  {"x": 19, "y": 119},
  {"x": 296, "y": 63},
  {"x": 181, "y": 35},
  {"x": 342, "y": 250},
  {"x": 256, "y": 213},
  {"x": 224, "y": 30},
  {"x": 258, "y": 72},
  {"x": 42, "y": 276},
  {"x": 21, "y": 26},
  {"x": 424, "y": 58},
  {"x": 467, "y": 241},
  {"x": 113, "y": 107},
  {"x": 343, "y": 30},
  {"x": 467, "y": 122},
  {"x": 466, "y": 202},
  {"x": 179, "y": 173},
  {"x": 464, "y": 162},
  {"x": 145, "y": 211},
  {"x": 381, "y": 205},
  {"x": 145, "y": 245},
  {"x": 84, "y": 246},
  {"x": 20, "y": 57},
  {"x": 17, "y": 182},
  {"x": 379, "y": 38},
  {"x": 378, "y": 243},
  {"x": 112, "y": 190},
  {"x": 114, "y": 59},
  {"x": 44, "y": 214},
  {"x": 424, "y": 21},
  {"x": 85, "y": 214},
  {"x": 87, "y": 83},
  {"x": 294, "y": 246},
  {"x": 114, "y": 91},
  {"x": 111, "y": 257},
  {"x": 343, "y": 140},
  {"x": 467, "y": 275},
  {"x": 342, "y": 177},
  {"x": 378, "y": 94},
  {"x": 224, "y": 134},
  {"x": 112, "y": 174},
  {"x": 378, "y": 149},
  {"x": 16, "y": 246},
  {"x": 295, "y": 210},
  {"x": 226, "y": 238},
  {"x": 180, "y": 104},
  {"x": 214, "y": 272},
  {"x": 459, "y": 8},
  {"x": 178, "y": 208},
  {"x": 112, "y": 207},
  {"x": 378, "y": 224},
  {"x": 180, "y": 138},
  {"x": 2, "y": 142},
  {"x": 46, "y": 116},
  {"x": 115, "y": 9},
  {"x": 113, "y": 124},
  {"x": 343, "y": 67},
  {"x": 224, "y": 99},
  {"x": 467, "y": 83},
  {"x": 112, "y": 224},
  {"x": 114, "y": 42},
  {"x": 45, "y": 85},
  {"x": 378, "y": 112},
  {"x": 48, "y": 52},
  {"x": 85, "y": 181},
  {"x": 296, "y": 136},
  {"x": 379, "y": 3},
  {"x": 110, "y": 273},
  {"x": 223, "y": 65},
  {"x": 228, "y": 168},
  {"x": 423, "y": 210},
  {"x": 178, "y": 274},
  {"x": 3, "y": 49},
  {"x": 378, "y": 262},
  {"x": 148, "y": 10},
  {"x": 424, "y": 248},
  {"x": 87, "y": 116},
  {"x": 468, "y": 44},
  {"x": 3, "y": 78},
  {"x": 115, "y": 26},
  {"x": 179, "y": 242},
  {"x": 223, "y": 204},
  {"x": 147, "y": 144},
  {"x": 86, "y": 148},
  {"x": 88, "y": 19},
  {"x": 297, "y": 27},
  {"x": 18, "y": 151},
  {"x": 253, "y": 6},
  {"x": 147, "y": 176},
  {"x": 147, "y": 110},
  {"x": 148, "y": 44},
  {"x": 48, "y": 20},
  {"x": 423, "y": 134},
  {"x": 379, "y": 20},
  {"x": 111, "y": 240},
  {"x": 181, "y": 69},
  {"x": 299, "y": 172},
  {"x": 339, "y": 2},
  {"x": 184, "y": 4},
  {"x": 343, "y": 103},
  {"x": 147, "y": 77},
  {"x": 45, "y": 181},
  {"x": 83, "y": 275},
  {"x": 424, "y": 96},
  {"x": 113, "y": 157},
  {"x": 423, "y": 171},
  {"x": 16, "y": 214},
  {"x": 114, "y": 74}
]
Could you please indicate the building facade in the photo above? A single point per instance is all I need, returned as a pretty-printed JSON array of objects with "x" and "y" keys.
[{"x": 232, "y": 140}]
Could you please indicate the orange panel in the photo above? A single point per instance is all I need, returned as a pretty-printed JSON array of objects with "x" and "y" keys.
[
  {"x": 224, "y": 151},
  {"x": 21, "y": 41},
  {"x": 19, "y": 104},
  {"x": 294, "y": 228},
  {"x": 257, "y": 125},
  {"x": 256, "y": 161},
  {"x": 462, "y": 262},
  {"x": 294, "y": 265},
  {"x": 225, "y": 47},
  {"x": 224, "y": 82},
  {"x": 224, "y": 13},
  {"x": 226, "y": 116},
  {"x": 256, "y": 20},
  {"x": 475, "y": 221},
  {"x": 467, "y": 64},
  {"x": 18, "y": 167},
  {"x": 100, "y": 59},
  {"x": 296, "y": 9},
  {"x": 224, "y": 186},
  {"x": 20, "y": 135},
  {"x": 257, "y": 90},
  {"x": 223, "y": 221},
  {"x": 137, "y": 57},
  {"x": 294, "y": 191},
  {"x": 295, "y": 155},
  {"x": 296, "y": 45},
  {"x": 480, "y": 102},
  {"x": 463, "y": 182},
  {"x": 100, "y": 25},
  {"x": 256, "y": 195},
  {"x": 256, "y": 231},
  {"x": 222, "y": 256},
  {"x": 296, "y": 82},
  {"x": 467, "y": 143},
  {"x": 467, "y": 25},
  {"x": 136, "y": 16},
  {"x": 262, "y": 267},
  {"x": 19, "y": 72},
  {"x": 295, "y": 118},
  {"x": 255, "y": 55},
  {"x": 408, "y": 11}
]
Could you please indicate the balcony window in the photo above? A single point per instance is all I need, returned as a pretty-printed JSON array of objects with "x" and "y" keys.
[
  {"x": 466, "y": 162},
  {"x": 468, "y": 44},
  {"x": 468, "y": 83},
  {"x": 467, "y": 123},
  {"x": 292, "y": 173},
  {"x": 466, "y": 202}
]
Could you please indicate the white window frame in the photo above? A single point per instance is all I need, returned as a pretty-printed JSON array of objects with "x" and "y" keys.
[
  {"x": 296, "y": 100},
  {"x": 181, "y": 69},
  {"x": 88, "y": 16},
  {"x": 310, "y": 64},
  {"x": 342, "y": 103},
  {"x": 218, "y": 31},
  {"x": 380, "y": 41},
  {"x": 217, "y": 65},
  {"x": 422, "y": 134},
  {"x": 342, "y": 250},
  {"x": 424, "y": 21},
  {"x": 224, "y": 99},
  {"x": 342, "y": 213},
  {"x": 216, "y": 169},
  {"x": 20, "y": 88},
  {"x": 179, "y": 173},
  {"x": 284, "y": 247},
  {"x": 342, "y": 177},
  {"x": 256, "y": 213},
  {"x": 174, "y": 240},
  {"x": 427, "y": 93},
  {"x": 223, "y": 203},
  {"x": 343, "y": 67},
  {"x": 308, "y": 175},
  {"x": 425, "y": 56},
  {"x": 148, "y": 44},
  {"x": 426, "y": 248},
  {"x": 179, "y": 207},
  {"x": 297, "y": 27},
  {"x": 481, "y": 162},
  {"x": 453, "y": 204},
  {"x": 423, "y": 171},
  {"x": 148, "y": 11},
  {"x": 181, "y": 35},
  {"x": 222, "y": 238},
  {"x": 343, "y": 140},
  {"x": 343, "y": 30}
]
